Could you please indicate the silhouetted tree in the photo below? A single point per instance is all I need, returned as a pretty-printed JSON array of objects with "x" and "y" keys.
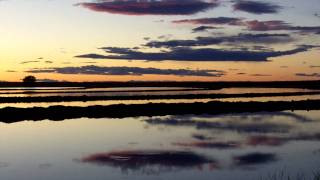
[{"x": 29, "y": 80}]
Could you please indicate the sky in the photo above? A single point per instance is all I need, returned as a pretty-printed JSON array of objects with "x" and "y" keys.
[{"x": 160, "y": 40}]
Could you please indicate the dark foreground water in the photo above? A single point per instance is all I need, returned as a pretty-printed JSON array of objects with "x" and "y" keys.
[{"x": 225, "y": 147}]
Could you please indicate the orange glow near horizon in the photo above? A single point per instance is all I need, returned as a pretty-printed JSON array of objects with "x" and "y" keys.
[{"x": 44, "y": 35}]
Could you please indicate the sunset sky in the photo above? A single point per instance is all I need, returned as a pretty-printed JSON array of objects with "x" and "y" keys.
[{"x": 191, "y": 40}]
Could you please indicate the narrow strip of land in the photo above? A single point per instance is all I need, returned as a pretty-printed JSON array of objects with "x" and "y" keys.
[
  {"x": 211, "y": 85},
  {"x": 10, "y": 115}
]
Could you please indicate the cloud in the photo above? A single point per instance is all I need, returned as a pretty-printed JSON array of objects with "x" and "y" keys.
[
  {"x": 279, "y": 25},
  {"x": 133, "y": 71},
  {"x": 28, "y": 62},
  {"x": 312, "y": 66},
  {"x": 214, "y": 21},
  {"x": 252, "y": 25},
  {"x": 307, "y": 29},
  {"x": 273, "y": 25},
  {"x": 240, "y": 38},
  {"x": 190, "y": 54},
  {"x": 260, "y": 38},
  {"x": 36, "y": 61},
  {"x": 151, "y": 7},
  {"x": 210, "y": 145},
  {"x": 256, "y": 25},
  {"x": 92, "y": 56},
  {"x": 241, "y": 73},
  {"x": 203, "y": 29},
  {"x": 256, "y": 7},
  {"x": 260, "y": 75},
  {"x": 308, "y": 75}
]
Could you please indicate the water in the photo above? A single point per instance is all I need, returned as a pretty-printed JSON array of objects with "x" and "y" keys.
[
  {"x": 225, "y": 147},
  {"x": 45, "y": 92},
  {"x": 123, "y": 91},
  {"x": 127, "y": 102},
  {"x": 138, "y": 91},
  {"x": 8, "y": 89}
]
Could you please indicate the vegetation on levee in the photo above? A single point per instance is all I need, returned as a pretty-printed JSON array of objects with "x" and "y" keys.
[
  {"x": 211, "y": 85},
  {"x": 10, "y": 114}
]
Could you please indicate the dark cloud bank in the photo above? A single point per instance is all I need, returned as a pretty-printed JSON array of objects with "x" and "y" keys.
[
  {"x": 162, "y": 7},
  {"x": 133, "y": 71},
  {"x": 240, "y": 38},
  {"x": 256, "y": 7},
  {"x": 190, "y": 54},
  {"x": 174, "y": 7}
]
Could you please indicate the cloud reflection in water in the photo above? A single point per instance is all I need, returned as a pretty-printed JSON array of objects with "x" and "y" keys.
[{"x": 151, "y": 161}]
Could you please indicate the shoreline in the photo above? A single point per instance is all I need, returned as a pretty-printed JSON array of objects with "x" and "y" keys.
[{"x": 311, "y": 84}]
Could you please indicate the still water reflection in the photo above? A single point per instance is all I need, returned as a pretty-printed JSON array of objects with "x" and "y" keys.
[
  {"x": 139, "y": 91},
  {"x": 225, "y": 147},
  {"x": 112, "y": 102}
]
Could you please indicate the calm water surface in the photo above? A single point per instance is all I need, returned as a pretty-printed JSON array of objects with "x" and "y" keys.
[
  {"x": 225, "y": 147},
  {"x": 44, "y": 92},
  {"x": 112, "y": 102},
  {"x": 138, "y": 91}
]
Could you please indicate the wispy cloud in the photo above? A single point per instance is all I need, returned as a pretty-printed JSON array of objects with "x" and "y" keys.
[
  {"x": 240, "y": 38},
  {"x": 279, "y": 25},
  {"x": 209, "y": 145},
  {"x": 308, "y": 75},
  {"x": 133, "y": 71},
  {"x": 213, "y": 21},
  {"x": 251, "y": 25},
  {"x": 260, "y": 75},
  {"x": 203, "y": 29},
  {"x": 28, "y": 62}
]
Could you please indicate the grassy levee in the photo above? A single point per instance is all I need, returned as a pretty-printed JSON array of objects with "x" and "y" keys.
[{"x": 10, "y": 114}]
